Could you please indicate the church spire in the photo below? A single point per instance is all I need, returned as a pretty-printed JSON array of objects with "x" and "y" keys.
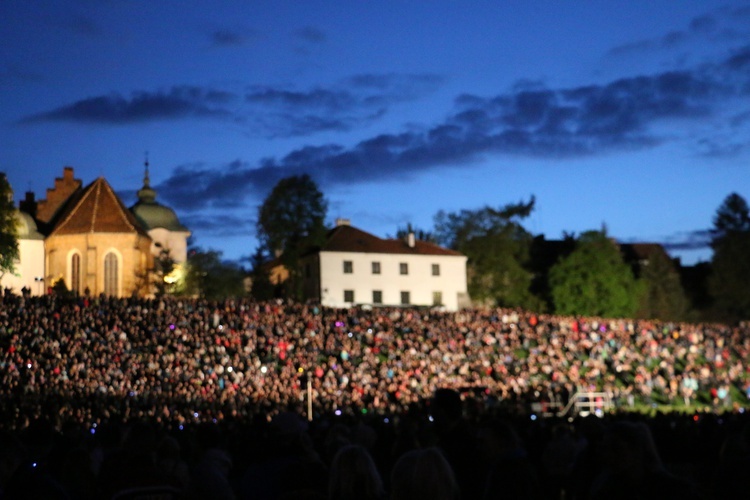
[
  {"x": 146, "y": 194},
  {"x": 146, "y": 180}
]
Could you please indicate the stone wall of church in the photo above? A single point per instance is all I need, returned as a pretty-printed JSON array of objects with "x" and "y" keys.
[
  {"x": 56, "y": 197},
  {"x": 132, "y": 252}
]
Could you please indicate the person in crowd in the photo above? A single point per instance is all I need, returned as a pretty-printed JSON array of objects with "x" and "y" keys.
[
  {"x": 354, "y": 476},
  {"x": 423, "y": 474}
]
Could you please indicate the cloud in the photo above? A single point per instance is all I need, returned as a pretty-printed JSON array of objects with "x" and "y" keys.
[
  {"x": 350, "y": 103},
  {"x": 222, "y": 225},
  {"x": 722, "y": 24},
  {"x": 178, "y": 102},
  {"x": 528, "y": 120},
  {"x": 273, "y": 111},
  {"x": 231, "y": 37},
  {"x": 691, "y": 240},
  {"x": 311, "y": 34},
  {"x": 16, "y": 73},
  {"x": 225, "y": 38},
  {"x": 85, "y": 26}
]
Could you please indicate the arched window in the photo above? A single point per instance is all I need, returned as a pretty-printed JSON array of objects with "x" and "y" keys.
[
  {"x": 110, "y": 274},
  {"x": 75, "y": 273}
]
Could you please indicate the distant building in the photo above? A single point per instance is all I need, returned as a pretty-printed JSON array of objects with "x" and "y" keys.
[
  {"x": 354, "y": 267},
  {"x": 87, "y": 237}
]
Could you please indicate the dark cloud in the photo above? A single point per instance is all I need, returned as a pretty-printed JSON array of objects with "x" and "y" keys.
[
  {"x": 16, "y": 73},
  {"x": 222, "y": 225},
  {"x": 274, "y": 111},
  {"x": 311, "y": 34},
  {"x": 692, "y": 240},
  {"x": 85, "y": 26},
  {"x": 178, "y": 102},
  {"x": 721, "y": 24},
  {"x": 227, "y": 38},
  {"x": 331, "y": 100},
  {"x": 528, "y": 120},
  {"x": 350, "y": 103}
]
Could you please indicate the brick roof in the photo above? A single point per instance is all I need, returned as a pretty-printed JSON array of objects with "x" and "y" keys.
[
  {"x": 96, "y": 209},
  {"x": 346, "y": 238}
]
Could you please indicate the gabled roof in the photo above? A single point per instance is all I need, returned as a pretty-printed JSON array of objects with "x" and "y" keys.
[
  {"x": 345, "y": 238},
  {"x": 96, "y": 209},
  {"x": 642, "y": 251}
]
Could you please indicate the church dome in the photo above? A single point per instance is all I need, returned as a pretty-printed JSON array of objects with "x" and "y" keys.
[
  {"x": 27, "y": 229},
  {"x": 152, "y": 214}
]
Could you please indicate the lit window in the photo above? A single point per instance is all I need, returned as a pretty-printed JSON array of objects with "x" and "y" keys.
[
  {"x": 75, "y": 273},
  {"x": 348, "y": 267},
  {"x": 403, "y": 268},
  {"x": 110, "y": 274}
]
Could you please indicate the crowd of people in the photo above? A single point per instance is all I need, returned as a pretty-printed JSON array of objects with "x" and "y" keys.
[
  {"x": 173, "y": 377},
  {"x": 186, "y": 360}
]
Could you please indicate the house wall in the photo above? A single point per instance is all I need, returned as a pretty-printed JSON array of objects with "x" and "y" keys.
[
  {"x": 29, "y": 267},
  {"x": 134, "y": 259},
  {"x": 175, "y": 241},
  {"x": 419, "y": 282}
]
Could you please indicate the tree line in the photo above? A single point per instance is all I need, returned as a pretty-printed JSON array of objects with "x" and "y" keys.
[
  {"x": 508, "y": 266},
  {"x": 589, "y": 274}
]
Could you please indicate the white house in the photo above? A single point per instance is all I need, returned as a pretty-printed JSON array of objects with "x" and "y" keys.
[
  {"x": 355, "y": 267},
  {"x": 29, "y": 269}
]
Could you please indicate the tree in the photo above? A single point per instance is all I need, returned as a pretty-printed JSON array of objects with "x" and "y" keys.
[
  {"x": 663, "y": 296},
  {"x": 207, "y": 276},
  {"x": 497, "y": 249},
  {"x": 594, "y": 280},
  {"x": 730, "y": 265},
  {"x": 732, "y": 217},
  {"x": 164, "y": 265},
  {"x": 291, "y": 220},
  {"x": 262, "y": 288},
  {"x": 420, "y": 234},
  {"x": 8, "y": 229}
]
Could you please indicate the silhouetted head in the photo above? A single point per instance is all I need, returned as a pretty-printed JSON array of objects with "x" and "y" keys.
[
  {"x": 353, "y": 476},
  {"x": 423, "y": 475}
]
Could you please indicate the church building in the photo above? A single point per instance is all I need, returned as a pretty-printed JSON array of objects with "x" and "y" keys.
[{"x": 89, "y": 239}]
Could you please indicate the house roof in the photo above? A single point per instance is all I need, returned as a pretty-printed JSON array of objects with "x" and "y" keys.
[
  {"x": 642, "y": 251},
  {"x": 96, "y": 209},
  {"x": 346, "y": 238}
]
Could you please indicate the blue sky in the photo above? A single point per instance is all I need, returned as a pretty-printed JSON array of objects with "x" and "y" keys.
[{"x": 634, "y": 114}]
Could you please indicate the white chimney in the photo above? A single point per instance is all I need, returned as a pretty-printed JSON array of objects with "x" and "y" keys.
[
  {"x": 343, "y": 222},
  {"x": 410, "y": 239}
]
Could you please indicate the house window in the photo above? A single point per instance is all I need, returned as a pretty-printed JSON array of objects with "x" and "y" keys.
[
  {"x": 110, "y": 274},
  {"x": 348, "y": 295},
  {"x": 405, "y": 298},
  {"x": 436, "y": 269},
  {"x": 75, "y": 273},
  {"x": 403, "y": 268},
  {"x": 348, "y": 267},
  {"x": 377, "y": 296},
  {"x": 437, "y": 298},
  {"x": 375, "y": 267}
]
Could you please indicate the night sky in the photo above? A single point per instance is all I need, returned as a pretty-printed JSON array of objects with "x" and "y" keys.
[{"x": 632, "y": 114}]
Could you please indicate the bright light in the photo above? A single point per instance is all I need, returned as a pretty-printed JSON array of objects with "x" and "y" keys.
[
  {"x": 176, "y": 275},
  {"x": 263, "y": 369}
]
